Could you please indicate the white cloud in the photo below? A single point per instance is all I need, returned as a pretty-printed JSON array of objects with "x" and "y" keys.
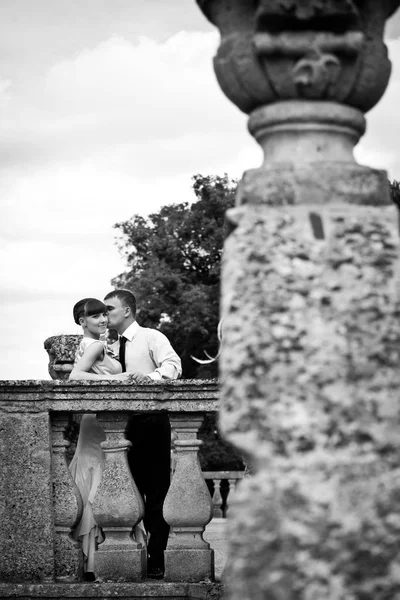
[{"x": 120, "y": 93}]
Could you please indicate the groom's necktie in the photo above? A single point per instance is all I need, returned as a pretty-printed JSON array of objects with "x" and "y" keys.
[{"x": 122, "y": 342}]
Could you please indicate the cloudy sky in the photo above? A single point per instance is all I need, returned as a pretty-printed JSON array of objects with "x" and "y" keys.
[{"x": 107, "y": 108}]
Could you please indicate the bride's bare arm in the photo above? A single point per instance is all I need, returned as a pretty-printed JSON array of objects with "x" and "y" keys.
[{"x": 80, "y": 372}]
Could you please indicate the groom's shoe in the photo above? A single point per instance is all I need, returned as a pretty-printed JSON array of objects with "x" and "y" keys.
[
  {"x": 155, "y": 573},
  {"x": 155, "y": 570},
  {"x": 89, "y": 576}
]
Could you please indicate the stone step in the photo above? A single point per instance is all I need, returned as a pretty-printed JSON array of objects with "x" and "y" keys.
[{"x": 104, "y": 591}]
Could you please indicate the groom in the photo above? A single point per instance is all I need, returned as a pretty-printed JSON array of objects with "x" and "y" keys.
[{"x": 148, "y": 355}]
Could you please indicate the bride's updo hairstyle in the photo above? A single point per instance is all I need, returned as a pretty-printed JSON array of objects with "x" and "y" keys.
[{"x": 88, "y": 307}]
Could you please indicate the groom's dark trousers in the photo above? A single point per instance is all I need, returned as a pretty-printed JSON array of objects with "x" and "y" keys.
[{"x": 149, "y": 461}]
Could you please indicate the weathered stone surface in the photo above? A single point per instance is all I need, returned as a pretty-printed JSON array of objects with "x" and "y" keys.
[
  {"x": 316, "y": 183},
  {"x": 123, "y": 591},
  {"x": 61, "y": 350},
  {"x": 26, "y": 527},
  {"x": 118, "y": 507},
  {"x": 189, "y": 564},
  {"x": 67, "y": 504},
  {"x": 188, "y": 508},
  {"x": 331, "y": 132},
  {"x": 275, "y": 50},
  {"x": 68, "y": 559},
  {"x": 310, "y": 393},
  {"x": 308, "y": 157},
  {"x": 119, "y": 558},
  {"x": 92, "y": 396},
  {"x": 117, "y": 502},
  {"x": 188, "y": 501}
]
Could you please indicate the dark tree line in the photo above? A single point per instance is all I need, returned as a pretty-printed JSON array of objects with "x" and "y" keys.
[{"x": 173, "y": 259}]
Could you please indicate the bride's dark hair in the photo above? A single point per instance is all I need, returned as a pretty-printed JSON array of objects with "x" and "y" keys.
[{"x": 88, "y": 307}]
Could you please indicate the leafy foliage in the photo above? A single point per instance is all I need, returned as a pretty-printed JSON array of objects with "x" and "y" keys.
[
  {"x": 216, "y": 454},
  {"x": 173, "y": 259}
]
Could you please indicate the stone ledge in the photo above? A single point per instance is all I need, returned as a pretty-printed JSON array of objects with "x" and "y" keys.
[
  {"x": 52, "y": 384},
  {"x": 127, "y": 591},
  {"x": 94, "y": 396}
]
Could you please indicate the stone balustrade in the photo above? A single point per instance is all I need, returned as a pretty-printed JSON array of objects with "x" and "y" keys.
[
  {"x": 221, "y": 484},
  {"x": 40, "y": 502}
]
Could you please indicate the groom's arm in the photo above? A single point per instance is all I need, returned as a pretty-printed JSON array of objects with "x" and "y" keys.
[{"x": 168, "y": 363}]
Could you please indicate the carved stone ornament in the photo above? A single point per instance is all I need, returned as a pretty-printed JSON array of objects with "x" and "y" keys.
[
  {"x": 61, "y": 350},
  {"x": 275, "y": 50}
]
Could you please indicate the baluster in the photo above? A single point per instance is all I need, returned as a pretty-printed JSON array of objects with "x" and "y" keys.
[
  {"x": 231, "y": 488},
  {"x": 67, "y": 503},
  {"x": 188, "y": 508},
  {"x": 118, "y": 507},
  {"x": 217, "y": 499}
]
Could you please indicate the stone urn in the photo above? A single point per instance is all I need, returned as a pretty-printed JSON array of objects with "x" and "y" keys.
[
  {"x": 61, "y": 350},
  {"x": 305, "y": 71}
]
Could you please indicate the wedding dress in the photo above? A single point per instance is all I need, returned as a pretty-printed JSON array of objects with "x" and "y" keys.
[{"x": 88, "y": 463}]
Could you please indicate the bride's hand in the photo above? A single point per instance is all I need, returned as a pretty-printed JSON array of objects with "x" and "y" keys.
[
  {"x": 139, "y": 378},
  {"x": 120, "y": 377}
]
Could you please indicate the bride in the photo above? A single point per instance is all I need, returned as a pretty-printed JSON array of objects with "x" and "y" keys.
[{"x": 93, "y": 362}]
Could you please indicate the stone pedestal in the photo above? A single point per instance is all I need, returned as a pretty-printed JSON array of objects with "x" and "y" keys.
[
  {"x": 188, "y": 508},
  {"x": 120, "y": 557},
  {"x": 117, "y": 508},
  {"x": 308, "y": 157},
  {"x": 67, "y": 502}
]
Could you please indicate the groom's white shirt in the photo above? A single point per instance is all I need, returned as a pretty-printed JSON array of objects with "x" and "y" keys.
[{"x": 149, "y": 351}]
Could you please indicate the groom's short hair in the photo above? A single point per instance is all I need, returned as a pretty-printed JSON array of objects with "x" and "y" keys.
[{"x": 125, "y": 297}]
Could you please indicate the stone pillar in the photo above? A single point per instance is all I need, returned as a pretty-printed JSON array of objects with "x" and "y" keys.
[
  {"x": 310, "y": 351},
  {"x": 26, "y": 501},
  {"x": 188, "y": 507},
  {"x": 118, "y": 507},
  {"x": 68, "y": 505}
]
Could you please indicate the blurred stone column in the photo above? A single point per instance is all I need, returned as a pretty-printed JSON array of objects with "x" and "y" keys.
[
  {"x": 188, "y": 507},
  {"x": 118, "y": 507},
  {"x": 68, "y": 505},
  {"x": 310, "y": 361}
]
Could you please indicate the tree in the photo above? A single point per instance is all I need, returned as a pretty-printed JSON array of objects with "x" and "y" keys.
[{"x": 173, "y": 259}]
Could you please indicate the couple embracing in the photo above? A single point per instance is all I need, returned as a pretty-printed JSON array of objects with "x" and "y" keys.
[{"x": 141, "y": 355}]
